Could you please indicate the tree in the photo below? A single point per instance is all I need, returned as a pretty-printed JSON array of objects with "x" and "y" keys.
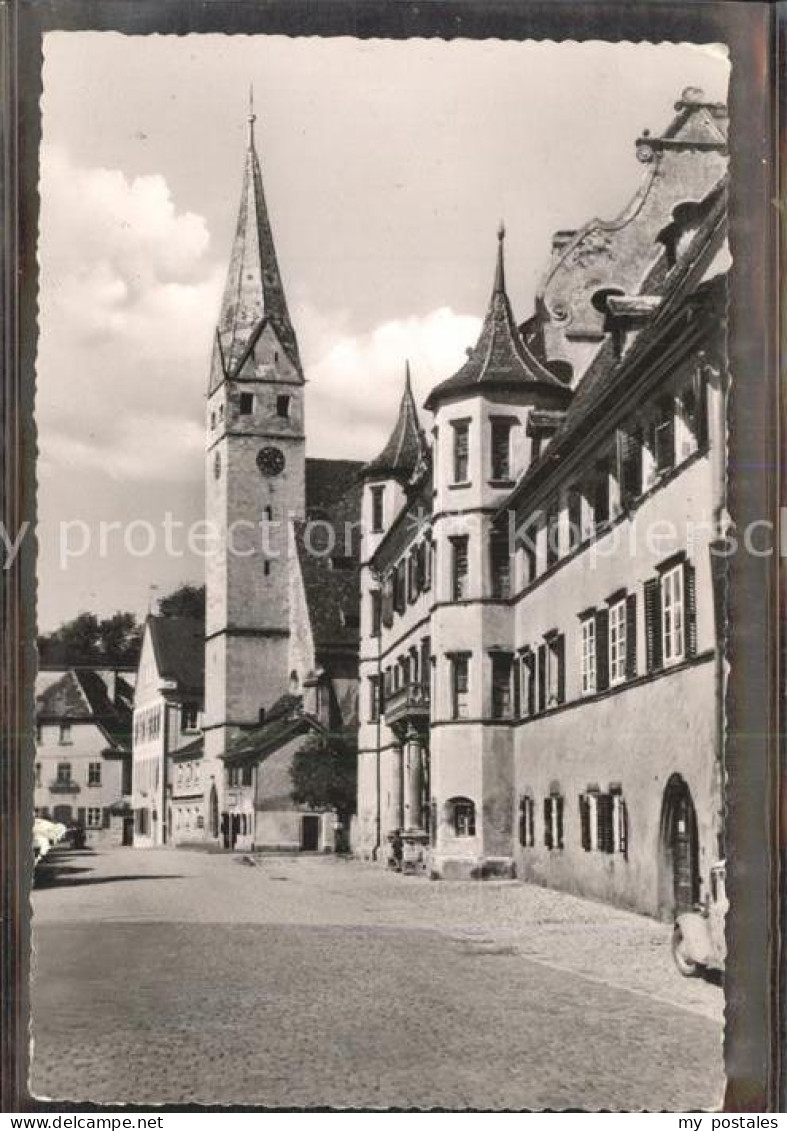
[
  {"x": 324, "y": 773},
  {"x": 87, "y": 640},
  {"x": 185, "y": 601}
]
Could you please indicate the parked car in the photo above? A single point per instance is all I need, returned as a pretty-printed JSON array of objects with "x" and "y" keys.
[
  {"x": 45, "y": 835},
  {"x": 698, "y": 942}
]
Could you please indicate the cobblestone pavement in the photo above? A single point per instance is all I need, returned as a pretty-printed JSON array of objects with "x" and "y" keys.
[{"x": 167, "y": 976}]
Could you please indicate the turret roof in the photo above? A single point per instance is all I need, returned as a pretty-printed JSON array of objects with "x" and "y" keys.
[
  {"x": 500, "y": 357},
  {"x": 406, "y": 448}
]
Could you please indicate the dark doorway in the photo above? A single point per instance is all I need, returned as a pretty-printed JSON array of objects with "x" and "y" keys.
[
  {"x": 128, "y": 832},
  {"x": 214, "y": 813},
  {"x": 679, "y": 880},
  {"x": 61, "y": 814},
  {"x": 310, "y": 833}
]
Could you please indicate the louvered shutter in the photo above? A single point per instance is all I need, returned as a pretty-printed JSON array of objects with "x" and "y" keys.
[
  {"x": 105, "y": 818},
  {"x": 631, "y": 636},
  {"x": 542, "y": 677},
  {"x": 516, "y": 676},
  {"x": 606, "y": 838},
  {"x": 558, "y": 802},
  {"x": 700, "y": 381},
  {"x": 690, "y": 607},
  {"x": 602, "y": 649},
  {"x": 523, "y": 822},
  {"x": 584, "y": 822},
  {"x": 548, "y": 822},
  {"x": 560, "y": 660},
  {"x": 653, "y": 643}
]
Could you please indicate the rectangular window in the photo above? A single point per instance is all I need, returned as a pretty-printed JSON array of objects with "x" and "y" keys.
[
  {"x": 500, "y": 566},
  {"x": 65, "y": 734},
  {"x": 246, "y": 775},
  {"x": 501, "y": 685},
  {"x": 246, "y": 404},
  {"x": 587, "y": 657},
  {"x": 461, "y": 450},
  {"x": 63, "y": 772},
  {"x": 460, "y": 679},
  {"x": 94, "y": 818},
  {"x": 672, "y": 617},
  {"x": 501, "y": 449},
  {"x": 575, "y": 531},
  {"x": 459, "y": 568},
  {"x": 94, "y": 773},
  {"x": 188, "y": 718},
  {"x": 428, "y": 553},
  {"x": 38, "y": 773},
  {"x": 529, "y": 556},
  {"x": 377, "y": 509},
  {"x": 553, "y": 821},
  {"x": 664, "y": 435},
  {"x": 283, "y": 406},
  {"x": 630, "y": 443},
  {"x": 464, "y": 818},
  {"x": 400, "y": 587},
  {"x": 617, "y": 641}
]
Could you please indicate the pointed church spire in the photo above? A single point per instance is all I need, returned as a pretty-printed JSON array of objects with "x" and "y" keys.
[
  {"x": 500, "y": 269},
  {"x": 406, "y": 446},
  {"x": 254, "y": 293}
]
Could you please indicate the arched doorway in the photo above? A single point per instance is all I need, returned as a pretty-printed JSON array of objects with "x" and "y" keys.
[
  {"x": 214, "y": 813},
  {"x": 679, "y": 881}
]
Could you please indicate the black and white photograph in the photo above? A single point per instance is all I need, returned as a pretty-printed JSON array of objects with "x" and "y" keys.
[{"x": 382, "y": 396}]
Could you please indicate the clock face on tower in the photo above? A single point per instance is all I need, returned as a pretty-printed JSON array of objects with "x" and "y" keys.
[{"x": 270, "y": 461}]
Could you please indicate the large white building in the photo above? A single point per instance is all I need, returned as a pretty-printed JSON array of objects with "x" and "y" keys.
[{"x": 541, "y": 673}]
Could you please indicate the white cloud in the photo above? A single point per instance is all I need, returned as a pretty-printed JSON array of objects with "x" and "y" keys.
[
  {"x": 129, "y": 296},
  {"x": 355, "y": 382}
]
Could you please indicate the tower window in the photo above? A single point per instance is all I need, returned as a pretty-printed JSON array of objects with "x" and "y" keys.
[
  {"x": 459, "y": 568},
  {"x": 501, "y": 449},
  {"x": 461, "y": 445},
  {"x": 283, "y": 406},
  {"x": 246, "y": 404},
  {"x": 460, "y": 678},
  {"x": 377, "y": 509}
]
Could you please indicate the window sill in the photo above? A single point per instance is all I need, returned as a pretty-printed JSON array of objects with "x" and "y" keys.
[
  {"x": 461, "y": 485},
  {"x": 506, "y": 483}
]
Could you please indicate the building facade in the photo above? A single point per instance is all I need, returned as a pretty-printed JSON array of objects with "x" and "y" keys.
[
  {"x": 83, "y": 751},
  {"x": 168, "y": 703},
  {"x": 541, "y": 674}
]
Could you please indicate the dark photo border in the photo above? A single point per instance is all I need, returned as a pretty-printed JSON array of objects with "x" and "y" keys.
[{"x": 753, "y": 751}]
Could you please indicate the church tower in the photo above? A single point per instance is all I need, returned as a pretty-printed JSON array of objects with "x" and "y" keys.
[{"x": 255, "y": 484}]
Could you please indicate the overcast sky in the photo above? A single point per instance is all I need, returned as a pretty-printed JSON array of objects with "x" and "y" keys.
[{"x": 387, "y": 167}]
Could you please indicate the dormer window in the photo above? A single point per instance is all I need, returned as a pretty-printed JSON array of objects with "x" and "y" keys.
[{"x": 283, "y": 406}]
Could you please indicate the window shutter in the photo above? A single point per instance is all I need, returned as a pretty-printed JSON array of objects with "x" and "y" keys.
[
  {"x": 516, "y": 676},
  {"x": 548, "y": 822},
  {"x": 602, "y": 649},
  {"x": 558, "y": 801},
  {"x": 388, "y": 601},
  {"x": 631, "y": 636},
  {"x": 700, "y": 382},
  {"x": 623, "y": 831},
  {"x": 624, "y": 448},
  {"x": 653, "y": 644},
  {"x": 105, "y": 818},
  {"x": 542, "y": 677},
  {"x": 606, "y": 836},
  {"x": 690, "y": 607},
  {"x": 523, "y": 822},
  {"x": 560, "y": 659},
  {"x": 530, "y": 661},
  {"x": 81, "y": 814},
  {"x": 584, "y": 822}
]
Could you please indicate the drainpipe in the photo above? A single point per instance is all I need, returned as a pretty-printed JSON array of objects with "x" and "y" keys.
[
  {"x": 378, "y": 812},
  {"x": 719, "y": 565}
]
